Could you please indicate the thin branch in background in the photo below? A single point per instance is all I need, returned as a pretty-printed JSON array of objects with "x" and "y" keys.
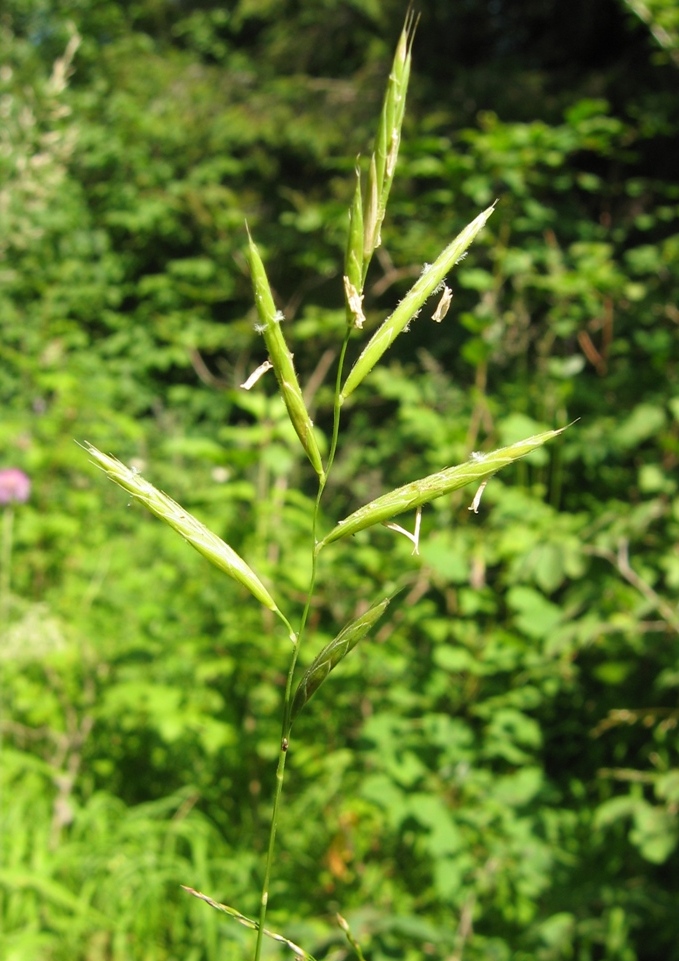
[
  {"x": 421, "y": 586},
  {"x": 662, "y": 36},
  {"x": 204, "y": 372},
  {"x": 69, "y": 752},
  {"x": 621, "y": 562},
  {"x": 481, "y": 415},
  {"x": 318, "y": 376},
  {"x": 598, "y": 358},
  {"x": 391, "y": 275},
  {"x": 646, "y": 627},
  {"x": 647, "y": 716},
  {"x": 296, "y": 299},
  {"x": 465, "y": 928},
  {"x": 626, "y": 774}
]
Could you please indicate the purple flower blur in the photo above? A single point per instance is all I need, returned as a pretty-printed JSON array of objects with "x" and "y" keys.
[{"x": 15, "y": 486}]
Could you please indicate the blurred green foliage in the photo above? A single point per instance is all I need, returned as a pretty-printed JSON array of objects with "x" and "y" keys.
[{"x": 497, "y": 774}]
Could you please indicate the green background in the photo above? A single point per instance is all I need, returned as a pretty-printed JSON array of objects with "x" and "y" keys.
[{"x": 494, "y": 774}]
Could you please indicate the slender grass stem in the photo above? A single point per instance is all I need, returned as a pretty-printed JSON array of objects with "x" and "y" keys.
[
  {"x": 285, "y": 728},
  {"x": 314, "y": 527},
  {"x": 280, "y": 772},
  {"x": 337, "y": 408},
  {"x": 285, "y": 741}
]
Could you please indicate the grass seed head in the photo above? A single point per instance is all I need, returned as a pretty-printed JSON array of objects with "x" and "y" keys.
[
  {"x": 353, "y": 260},
  {"x": 281, "y": 358},
  {"x": 191, "y": 529},
  {"x": 413, "y": 495},
  {"x": 397, "y": 321}
]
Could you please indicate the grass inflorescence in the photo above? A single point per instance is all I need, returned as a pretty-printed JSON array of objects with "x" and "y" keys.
[{"x": 366, "y": 217}]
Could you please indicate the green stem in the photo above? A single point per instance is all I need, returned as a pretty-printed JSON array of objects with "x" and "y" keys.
[
  {"x": 280, "y": 771},
  {"x": 337, "y": 408},
  {"x": 285, "y": 743},
  {"x": 314, "y": 528},
  {"x": 285, "y": 731}
]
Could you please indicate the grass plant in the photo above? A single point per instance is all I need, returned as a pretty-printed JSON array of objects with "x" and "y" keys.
[{"x": 366, "y": 217}]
